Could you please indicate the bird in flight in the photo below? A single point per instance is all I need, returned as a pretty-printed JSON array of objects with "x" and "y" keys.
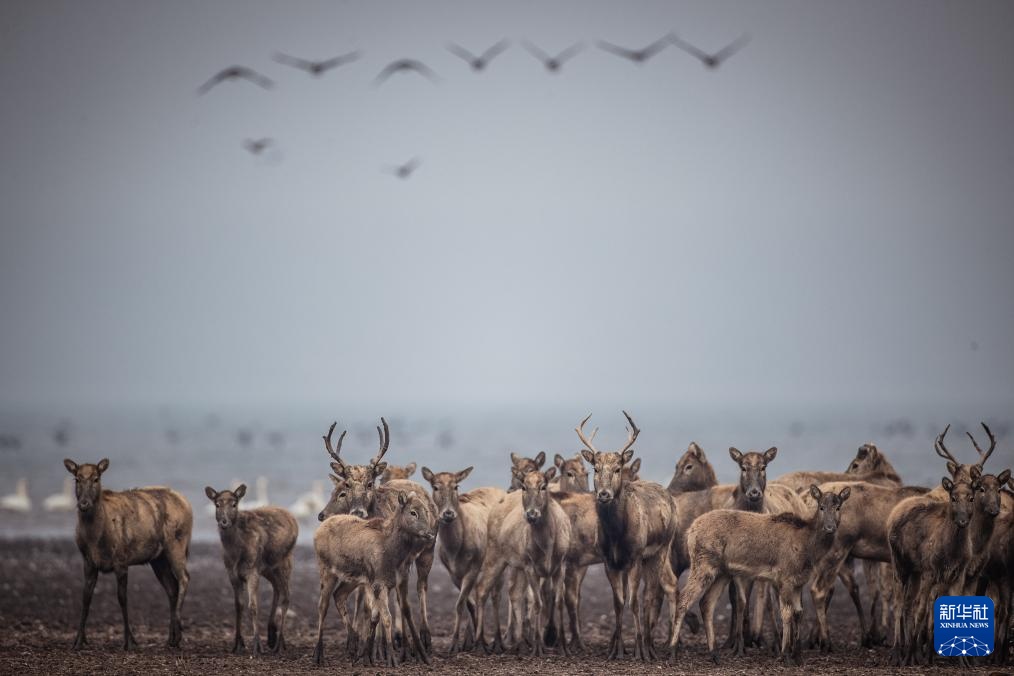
[
  {"x": 404, "y": 171},
  {"x": 257, "y": 146},
  {"x": 715, "y": 60},
  {"x": 406, "y": 66},
  {"x": 478, "y": 62},
  {"x": 636, "y": 55},
  {"x": 554, "y": 63},
  {"x": 235, "y": 73},
  {"x": 317, "y": 68}
]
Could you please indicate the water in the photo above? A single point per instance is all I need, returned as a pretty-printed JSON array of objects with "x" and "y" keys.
[{"x": 188, "y": 450}]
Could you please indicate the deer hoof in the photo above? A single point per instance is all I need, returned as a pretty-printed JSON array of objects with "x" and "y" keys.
[{"x": 318, "y": 654}]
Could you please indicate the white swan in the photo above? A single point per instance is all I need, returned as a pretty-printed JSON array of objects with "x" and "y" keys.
[
  {"x": 61, "y": 502},
  {"x": 262, "y": 495},
  {"x": 309, "y": 504},
  {"x": 19, "y": 500}
]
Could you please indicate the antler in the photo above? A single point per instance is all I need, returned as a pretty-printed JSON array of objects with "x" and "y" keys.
[
  {"x": 992, "y": 444},
  {"x": 584, "y": 440},
  {"x": 385, "y": 441},
  {"x": 631, "y": 433},
  {"x": 327, "y": 443},
  {"x": 941, "y": 450}
]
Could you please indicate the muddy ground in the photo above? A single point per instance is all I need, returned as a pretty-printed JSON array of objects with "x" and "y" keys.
[{"x": 40, "y": 587}]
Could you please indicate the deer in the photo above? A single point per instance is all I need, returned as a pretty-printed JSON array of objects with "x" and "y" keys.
[
  {"x": 462, "y": 538},
  {"x": 996, "y": 577},
  {"x": 371, "y": 555},
  {"x": 573, "y": 476},
  {"x": 928, "y": 540},
  {"x": 870, "y": 465},
  {"x": 530, "y": 533},
  {"x": 257, "y": 542},
  {"x": 779, "y": 548},
  {"x": 392, "y": 472},
  {"x": 520, "y": 466},
  {"x": 693, "y": 472},
  {"x": 637, "y": 525},
  {"x": 119, "y": 529},
  {"x": 355, "y": 492},
  {"x": 961, "y": 471}
]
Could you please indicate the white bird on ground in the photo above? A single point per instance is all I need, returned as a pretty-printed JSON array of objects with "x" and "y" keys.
[
  {"x": 309, "y": 504},
  {"x": 61, "y": 502},
  {"x": 18, "y": 501}
]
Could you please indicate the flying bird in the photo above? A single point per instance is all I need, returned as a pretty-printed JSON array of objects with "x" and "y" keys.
[
  {"x": 554, "y": 63},
  {"x": 317, "y": 68},
  {"x": 404, "y": 171},
  {"x": 478, "y": 62},
  {"x": 236, "y": 73},
  {"x": 715, "y": 60},
  {"x": 636, "y": 55},
  {"x": 257, "y": 146},
  {"x": 406, "y": 66}
]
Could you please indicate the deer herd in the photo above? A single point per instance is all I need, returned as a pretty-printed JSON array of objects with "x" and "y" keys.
[{"x": 762, "y": 540}]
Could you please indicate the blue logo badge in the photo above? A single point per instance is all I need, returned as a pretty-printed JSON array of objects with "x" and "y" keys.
[{"x": 963, "y": 625}]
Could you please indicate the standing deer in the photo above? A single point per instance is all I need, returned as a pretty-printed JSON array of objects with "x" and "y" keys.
[
  {"x": 779, "y": 548},
  {"x": 637, "y": 524},
  {"x": 256, "y": 542},
  {"x": 119, "y": 529},
  {"x": 369, "y": 554},
  {"x": 960, "y": 471},
  {"x": 461, "y": 542},
  {"x": 693, "y": 472},
  {"x": 534, "y": 538}
]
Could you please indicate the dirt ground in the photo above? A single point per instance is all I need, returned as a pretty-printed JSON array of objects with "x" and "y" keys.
[{"x": 40, "y": 587}]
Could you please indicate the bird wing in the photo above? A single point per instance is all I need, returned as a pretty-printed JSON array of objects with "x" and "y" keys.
[
  {"x": 536, "y": 52},
  {"x": 689, "y": 48},
  {"x": 253, "y": 76},
  {"x": 460, "y": 52},
  {"x": 341, "y": 60},
  {"x": 293, "y": 61},
  {"x": 655, "y": 47},
  {"x": 570, "y": 52},
  {"x": 412, "y": 164},
  {"x": 495, "y": 50},
  {"x": 730, "y": 49},
  {"x": 421, "y": 68},
  {"x": 389, "y": 69},
  {"x": 617, "y": 50},
  {"x": 215, "y": 79}
]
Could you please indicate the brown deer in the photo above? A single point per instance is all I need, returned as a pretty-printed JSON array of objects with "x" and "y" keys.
[
  {"x": 356, "y": 493},
  {"x": 929, "y": 540},
  {"x": 779, "y": 548},
  {"x": 520, "y": 466},
  {"x": 961, "y": 471},
  {"x": 533, "y": 536},
  {"x": 573, "y": 474},
  {"x": 869, "y": 465},
  {"x": 997, "y": 575},
  {"x": 119, "y": 529},
  {"x": 370, "y": 554},
  {"x": 462, "y": 536},
  {"x": 693, "y": 472},
  {"x": 397, "y": 472},
  {"x": 256, "y": 542},
  {"x": 637, "y": 524}
]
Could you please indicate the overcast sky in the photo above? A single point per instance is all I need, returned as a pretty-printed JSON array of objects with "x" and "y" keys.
[{"x": 828, "y": 217}]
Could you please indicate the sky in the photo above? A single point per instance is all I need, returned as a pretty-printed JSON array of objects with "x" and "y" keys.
[{"x": 824, "y": 220}]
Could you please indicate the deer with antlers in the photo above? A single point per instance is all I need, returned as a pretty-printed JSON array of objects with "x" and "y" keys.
[
  {"x": 961, "y": 471},
  {"x": 637, "y": 524},
  {"x": 356, "y": 493}
]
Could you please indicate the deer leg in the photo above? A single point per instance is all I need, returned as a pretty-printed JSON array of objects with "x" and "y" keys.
[
  {"x": 535, "y": 613},
  {"x": 165, "y": 577},
  {"x": 708, "y": 603},
  {"x": 548, "y": 621},
  {"x": 572, "y": 594},
  {"x": 559, "y": 596},
  {"x": 735, "y": 614},
  {"x": 251, "y": 582},
  {"x": 328, "y": 584},
  {"x": 382, "y": 606},
  {"x": 421, "y": 652},
  {"x": 849, "y": 580},
  {"x": 518, "y": 594},
  {"x": 91, "y": 576},
  {"x": 492, "y": 569},
  {"x": 785, "y": 605},
  {"x": 497, "y": 592},
  {"x": 177, "y": 555},
  {"x": 272, "y": 625},
  {"x": 668, "y": 582},
  {"x": 698, "y": 582},
  {"x": 760, "y": 604},
  {"x": 742, "y": 589},
  {"x": 618, "y": 581},
  {"x": 121, "y": 596},
  {"x": 467, "y": 583}
]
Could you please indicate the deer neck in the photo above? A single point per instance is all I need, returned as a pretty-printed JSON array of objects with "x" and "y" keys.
[
  {"x": 820, "y": 540},
  {"x": 980, "y": 529}
]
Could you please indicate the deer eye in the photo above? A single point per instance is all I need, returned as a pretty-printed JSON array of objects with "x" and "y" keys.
[
  {"x": 688, "y": 469},
  {"x": 342, "y": 494},
  {"x": 414, "y": 513},
  {"x": 570, "y": 474}
]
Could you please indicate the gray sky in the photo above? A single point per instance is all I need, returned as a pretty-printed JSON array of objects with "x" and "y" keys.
[{"x": 826, "y": 218}]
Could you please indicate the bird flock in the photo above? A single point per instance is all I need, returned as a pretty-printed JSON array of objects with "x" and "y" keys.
[{"x": 477, "y": 62}]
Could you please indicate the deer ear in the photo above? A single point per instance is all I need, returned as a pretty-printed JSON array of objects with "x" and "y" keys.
[
  {"x": 410, "y": 469},
  {"x": 863, "y": 451},
  {"x": 339, "y": 469},
  {"x": 845, "y": 493},
  {"x": 558, "y": 460},
  {"x": 516, "y": 459},
  {"x": 1003, "y": 477},
  {"x": 695, "y": 450},
  {"x": 635, "y": 467},
  {"x": 427, "y": 474},
  {"x": 240, "y": 491},
  {"x": 873, "y": 451},
  {"x": 401, "y": 499},
  {"x": 335, "y": 480},
  {"x": 379, "y": 468},
  {"x": 549, "y": 474},
  {"x": 211, "y": 493},
  {"x": 770, "y": 454},
  {"x": 735, "y": 454},
  {"x": 70, "y": 465},
  {"x": 540, "y": 459},
  {"x": 975, "y": 472},
  {"x": 103, "y": 465},
  {"x": 463, "y": 474},
  {"x": 815, "y": 492},
  {"x": 947, "y": 484},
  {"x": 627, "y": 455},
  {"x": 589, "y": 456},
  {"x": 952, "y": 467}
]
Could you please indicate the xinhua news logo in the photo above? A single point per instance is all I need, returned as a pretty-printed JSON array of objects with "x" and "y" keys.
[{"x": 963, "y": 625}]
